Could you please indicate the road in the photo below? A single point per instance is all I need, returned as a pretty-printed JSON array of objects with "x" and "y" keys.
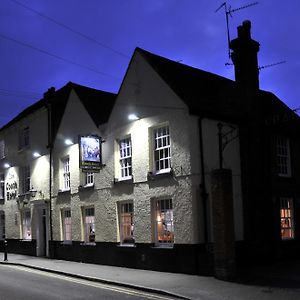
[{"x": 24, "y": 283}]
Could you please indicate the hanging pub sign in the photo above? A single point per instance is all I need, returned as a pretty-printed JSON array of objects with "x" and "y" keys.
[{"x": 90, "y": 153}]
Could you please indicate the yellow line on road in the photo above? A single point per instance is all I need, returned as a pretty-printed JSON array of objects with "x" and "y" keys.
[{"x": 85, "y": 282}]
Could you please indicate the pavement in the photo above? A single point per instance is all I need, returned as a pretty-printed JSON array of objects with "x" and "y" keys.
[{"x": 278, "y": 281}]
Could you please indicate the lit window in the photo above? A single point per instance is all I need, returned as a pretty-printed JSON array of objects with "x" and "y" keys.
[
  {"x": 126, "y": 223},
  {"x": 66, "y": 215},
  {"x": 286, "y": 218},
  {"x": 283, "y": 156},
  {"x": 89, "y": 225},
  {"x": 66, "y": 173},
  {"x": 26, "y": 222},
  {"x": 89, "y": 178},
  {"x": 2, "y": 225},
  {"x": 2, "y": 149},
  {"x": 24, "y": 138},
  {"x": 162, "y": 149},
  {"x": 24, "y": 179},
  {"x": 1, "y": 185},
  {"x": 164, "y": 222},
  {"x": 125, "y": 158}
]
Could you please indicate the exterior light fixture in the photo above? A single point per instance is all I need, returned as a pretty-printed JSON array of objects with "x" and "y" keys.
[
  {"x": 6, "y": 165},
  {"x": 32, "y": 192},
  {"x": 68, "y": 142},
  {"x": 133, "y": 117},
  {"x": 36, "y": 154}
]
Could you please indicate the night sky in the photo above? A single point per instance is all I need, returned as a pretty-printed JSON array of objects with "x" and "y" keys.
[{"x": 48, "y": 43}]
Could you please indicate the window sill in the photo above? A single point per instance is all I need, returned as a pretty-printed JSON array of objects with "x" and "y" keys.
[
  {"x": 123, "y": 180},
  {"x": 26, "y": 240},
  {"x": 168, "y": 246},
  {"x": 68, "y": 191},
  {"x": 161, "y": 174},
  {"x": 86, "y": 187},
  {"x": 66, "y": 243},
  {"x": 88, "y": 244}
]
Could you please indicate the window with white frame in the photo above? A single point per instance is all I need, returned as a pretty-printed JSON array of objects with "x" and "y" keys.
[
  {"x": 162, "y": 149},
  {"x": 89, "y": 224},
  {"x": 67, "y": 225},
  {"x": 125, "y": 152},
  {"x": 126, "y": 225},
  {"x": 24, "y": 178},
  {"x": 2, "y": 186},
  {"x": 286, "y": 218},
  {"x": 2, "y": 225},
  {"x": 24, "y": 138},
  {"x": 283, "y": 156},
  {"x": 66, "y": 173},
  {"x": 2, "y": 149},
  {"x": 88, "y": 178},
  {"x": 26, "y": 224},
  {"x": 164, "y": 226}
]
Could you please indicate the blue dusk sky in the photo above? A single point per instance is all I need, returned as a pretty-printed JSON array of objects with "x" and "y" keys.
[{"x": 48, "y": 43}]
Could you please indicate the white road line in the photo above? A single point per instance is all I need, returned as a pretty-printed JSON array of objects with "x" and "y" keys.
[{"x": 85, "y": 282}]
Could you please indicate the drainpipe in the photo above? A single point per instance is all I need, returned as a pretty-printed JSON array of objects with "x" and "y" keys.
[{"x": 203, "y": 185}]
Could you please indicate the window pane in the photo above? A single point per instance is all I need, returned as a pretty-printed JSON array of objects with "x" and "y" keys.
[
  {"x": 286, "y": 217},
  {"x": 164, "y": 222},
  {"x": 89, "y": 224},
  {"x": 283, "y": 156},
  {"x": 162, "y": 153},
  {"x": 125, "y": 157},
  {"x": 126, "y": 223},
  {"x": 66, "y": 173},
  {"x": 67, "y": 225},
  {"x": 27, "y": 225}
]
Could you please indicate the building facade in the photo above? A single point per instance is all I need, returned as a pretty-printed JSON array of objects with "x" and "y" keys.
[{"x": 127, "y": 179}]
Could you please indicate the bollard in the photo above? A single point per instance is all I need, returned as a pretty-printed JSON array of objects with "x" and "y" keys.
[{"x": 5, "y": 250}]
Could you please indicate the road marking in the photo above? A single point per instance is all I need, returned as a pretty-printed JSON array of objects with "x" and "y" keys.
[{"x": 85, "y": 282}]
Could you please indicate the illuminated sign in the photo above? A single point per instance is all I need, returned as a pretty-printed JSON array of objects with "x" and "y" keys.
[{"x": 90, "y": 153}]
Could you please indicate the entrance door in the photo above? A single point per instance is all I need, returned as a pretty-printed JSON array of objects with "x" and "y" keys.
[{"x": 41, "y": 235}]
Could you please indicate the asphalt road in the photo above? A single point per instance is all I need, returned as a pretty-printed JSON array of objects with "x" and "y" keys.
[{"x": 25, "y": 283}]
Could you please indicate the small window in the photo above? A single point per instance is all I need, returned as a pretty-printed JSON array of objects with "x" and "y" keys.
[
  {"x": 162, "y": 149},
  {"x": 164, "y": 222},
  {"x": 2, "y": 186},
  {"x": 286, "y": 218},
  {"x": 125, "y": 152},
  {"x": 2, "y": 225},
  {"x": 88, "y": 178},
  {"x": 126, "y": 224},
  {"x": 66, "y": 218},
  {"x": 66, "y": 173},
  {"x": 26, "y": 224},
  {"x": 2, "y": 149},
  {"x": 283, "y": 156},
  {"x": 89, "y": 225},
  {"x": 24, "y": 138},
  {"x": 24, "y": 179}
]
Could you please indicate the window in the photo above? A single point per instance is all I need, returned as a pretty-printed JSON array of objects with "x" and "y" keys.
[
  {"x": 164, "y": 222},
  {"x": 24, "y": 138},
  {"x": 67, "y": 233},
  {"x": 126, "y": 223},
  {"x": 24, "y": 180},
  {"x": 125, "y": 151},
  {"x": 2, "y": 225},
  {"x": 2, "y": 149},
  {"x": 89, "y": 225},
  {"x": 26, "y": 222},
  {"x": 89, "y": 178},
  {"x": 283, "y": 156},
  {"x": 162, "y": 149},
  {"x": 1, "y": 185},
  {"x": 66, "y": 173},
  {"x": 286, "y": 218}
]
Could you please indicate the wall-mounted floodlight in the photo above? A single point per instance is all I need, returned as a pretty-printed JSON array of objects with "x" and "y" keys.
[
  {"x": 36, "y": 154},
  {"x": 133, "y": 117},
  {"x": 6, "y": 165},
  {"x": 68, "y": 142}
]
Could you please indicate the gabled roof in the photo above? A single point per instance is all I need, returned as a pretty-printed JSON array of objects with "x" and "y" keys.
[
  {"x": 97, "y": 103},
  {"x": 207, "y": 94}
]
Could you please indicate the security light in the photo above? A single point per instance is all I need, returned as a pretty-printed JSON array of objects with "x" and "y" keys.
[
  {"x": 133, "y": 117},
  {"x": 36, "y": 154},
  {"x": 68, "y": 142},
  {"x": 6, "y": 165}
]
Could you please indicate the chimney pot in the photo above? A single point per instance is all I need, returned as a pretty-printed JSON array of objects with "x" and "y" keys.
[{"x": 49, "y": 93}]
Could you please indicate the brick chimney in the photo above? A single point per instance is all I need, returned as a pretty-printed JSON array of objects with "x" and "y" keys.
[{"x": 244, "y": 58}]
